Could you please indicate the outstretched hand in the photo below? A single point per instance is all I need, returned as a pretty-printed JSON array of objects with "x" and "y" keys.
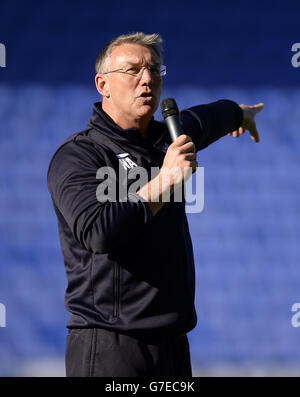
[{"x": 248, "y": 123}]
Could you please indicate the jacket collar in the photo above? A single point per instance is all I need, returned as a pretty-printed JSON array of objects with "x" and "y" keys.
[{"x": 156, "y": 134}]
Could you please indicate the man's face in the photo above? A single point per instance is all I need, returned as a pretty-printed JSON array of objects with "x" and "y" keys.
[{"x": 133, "y": 97}]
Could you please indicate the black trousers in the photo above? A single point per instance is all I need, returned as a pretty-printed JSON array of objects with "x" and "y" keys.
[{"x": 99, "y": 353}]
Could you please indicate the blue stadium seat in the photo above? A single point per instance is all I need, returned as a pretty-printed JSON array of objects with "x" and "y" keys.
[{"x": 246, "y": 240}]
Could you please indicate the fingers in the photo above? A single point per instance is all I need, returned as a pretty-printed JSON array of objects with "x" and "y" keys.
[
  {"x": 191, "y": 156},
  {"x": 249, "y": 113},
  {"x": 181, "y": 140},
  {"x": 253, "y": 131},
  {"x": 254, "y": 134},
  {"x": 258, "y": 107},
  {"x": 194, "y": 166},
  {"x": 184, "y": 144},
  {"x": 187, "y": 148},
  {"x": 237, "y": 132}
]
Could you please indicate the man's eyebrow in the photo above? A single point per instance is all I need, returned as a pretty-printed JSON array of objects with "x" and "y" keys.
[{"x": 131, "y": 63}]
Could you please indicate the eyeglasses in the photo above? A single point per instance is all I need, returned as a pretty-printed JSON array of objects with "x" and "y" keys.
[{"x": 137, "y": 71}]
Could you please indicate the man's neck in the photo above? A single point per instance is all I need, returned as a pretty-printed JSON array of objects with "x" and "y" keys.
[{"x": 140, "y": 124}]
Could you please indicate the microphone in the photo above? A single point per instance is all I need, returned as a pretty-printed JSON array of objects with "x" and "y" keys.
[{"x": 170, "y": 112}]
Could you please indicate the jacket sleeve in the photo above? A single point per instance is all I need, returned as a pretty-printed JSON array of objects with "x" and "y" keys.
[
  {"x": 99, "y": 227},
  {"x": 207, "y": 123}
]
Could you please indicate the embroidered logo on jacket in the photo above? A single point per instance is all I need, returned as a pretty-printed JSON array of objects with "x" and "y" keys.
[{"x": 126, "y": 161}]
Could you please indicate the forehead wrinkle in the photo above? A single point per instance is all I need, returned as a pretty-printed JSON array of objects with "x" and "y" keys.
[{"x": 133, "y": 58}]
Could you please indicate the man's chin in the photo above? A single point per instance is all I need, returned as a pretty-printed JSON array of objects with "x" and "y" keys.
[{"x": 147, "y": 109}]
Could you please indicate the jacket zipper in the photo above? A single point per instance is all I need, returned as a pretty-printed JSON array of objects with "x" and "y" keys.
[{"x": 116, "y": 289}]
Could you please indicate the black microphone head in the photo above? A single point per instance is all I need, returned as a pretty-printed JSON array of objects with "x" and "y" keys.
[{"x": 169, "y": 107}]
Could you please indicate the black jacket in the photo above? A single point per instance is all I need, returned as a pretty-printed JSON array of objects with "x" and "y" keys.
[{"x": 128, "y": 270}]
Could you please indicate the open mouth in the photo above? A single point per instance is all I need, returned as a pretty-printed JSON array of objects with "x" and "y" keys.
[
  {"x": 147, "y": 95},
  {"x": 147, "y": 98}
]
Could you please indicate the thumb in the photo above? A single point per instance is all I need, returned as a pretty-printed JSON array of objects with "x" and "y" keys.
[{"x": 258, "y": 107}]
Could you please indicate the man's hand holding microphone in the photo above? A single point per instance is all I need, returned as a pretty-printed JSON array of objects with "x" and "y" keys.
[{"x": 179, "y": 163}]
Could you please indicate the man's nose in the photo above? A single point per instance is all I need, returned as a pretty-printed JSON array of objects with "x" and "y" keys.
[{"x": 146, "y": 76}]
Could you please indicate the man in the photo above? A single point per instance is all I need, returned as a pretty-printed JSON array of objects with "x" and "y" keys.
[{"x": 129, "y": 260}]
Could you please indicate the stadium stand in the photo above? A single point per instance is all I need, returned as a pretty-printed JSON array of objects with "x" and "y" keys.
[{"x": 246, "y": 241}]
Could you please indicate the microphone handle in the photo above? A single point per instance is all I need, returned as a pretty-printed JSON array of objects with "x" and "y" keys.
[{"x": 174, "y": 126}]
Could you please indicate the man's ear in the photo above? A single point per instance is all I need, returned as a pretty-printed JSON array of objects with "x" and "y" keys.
[{"x": 102, "y": 85}]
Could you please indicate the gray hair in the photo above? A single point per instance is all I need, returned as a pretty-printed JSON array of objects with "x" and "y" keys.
[{"x": 152, "y": 41}]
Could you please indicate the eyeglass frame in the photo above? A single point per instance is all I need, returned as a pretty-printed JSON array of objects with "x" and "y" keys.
[{"x": 162, "y": 72}]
